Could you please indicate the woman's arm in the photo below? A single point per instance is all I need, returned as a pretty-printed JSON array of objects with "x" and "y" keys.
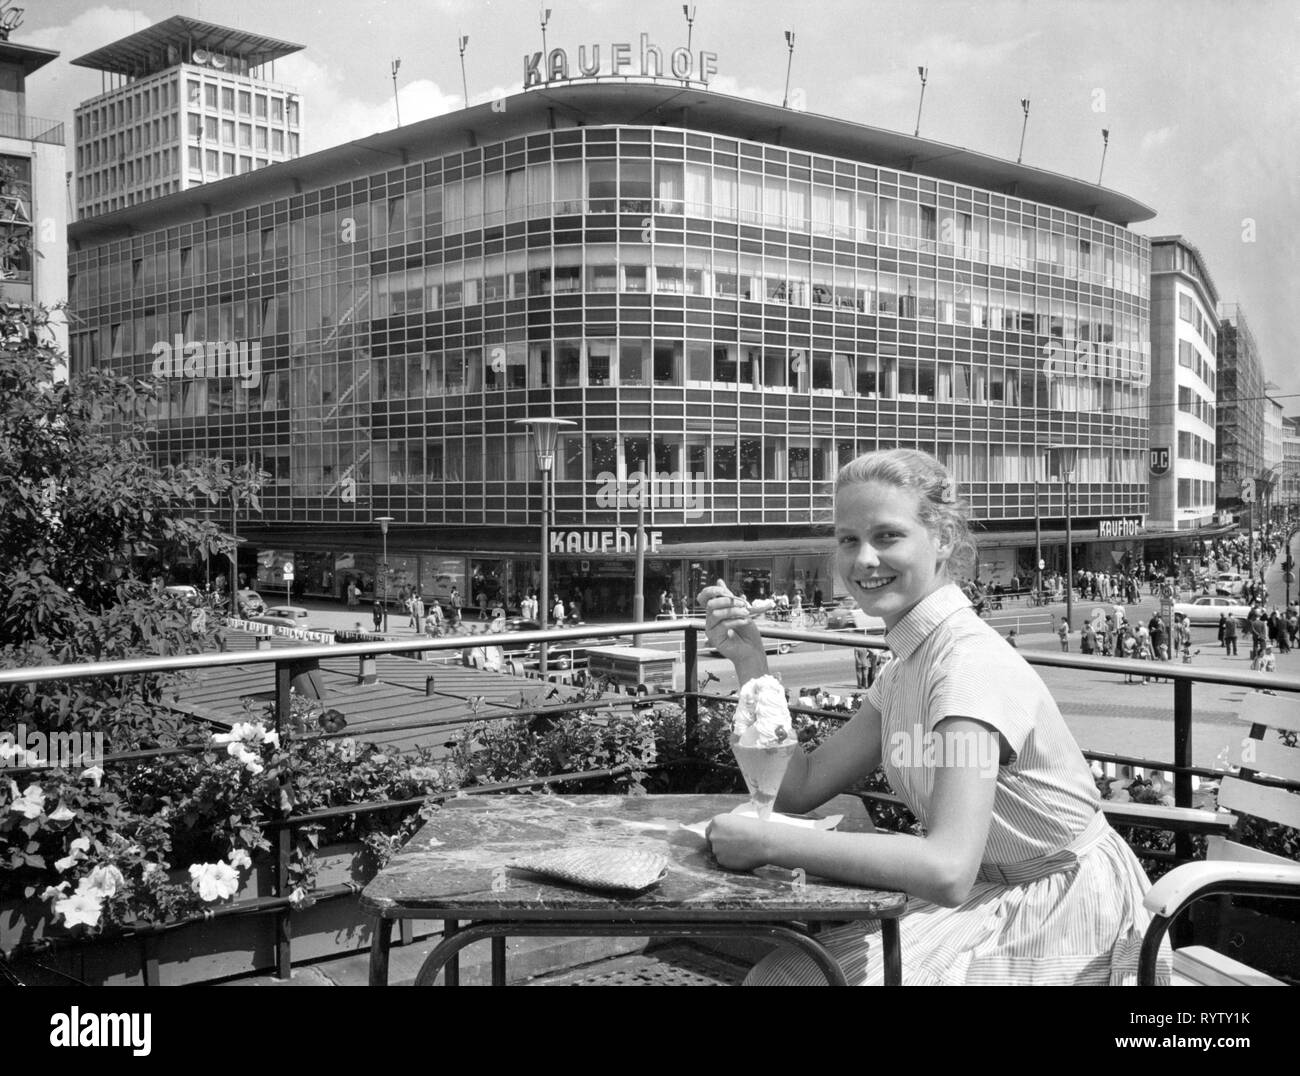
[{"x": 940, "y": 867}]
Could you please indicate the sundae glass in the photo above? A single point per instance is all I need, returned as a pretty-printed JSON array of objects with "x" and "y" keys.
[{"x": 763, "y": 741}]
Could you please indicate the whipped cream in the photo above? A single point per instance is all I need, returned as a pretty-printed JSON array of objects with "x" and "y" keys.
[{"x": 762, "y": 714}]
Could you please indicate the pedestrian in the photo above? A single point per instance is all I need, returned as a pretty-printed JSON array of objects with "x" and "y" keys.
[
  {"x": 1277, "y": 632},
  {"x": 417, "y": 610},
  {"x": 1265, "y": 662},
  {"x": 1230, "y": 636},
  {"x": 862, "y": 665},
  {"x": 1258, "y": 631},
  {"x": 1063, "y": 630},
  {"x": 1012, "y": 639},
  {"x": 1108, "y": 638},
  {"x": 1088, "y": 639},
  {"x": 354, "y": 594},
  {"x": 1159, "y": 639},
  {"x": 557, "y": 613},
  {"x": 377, "y": 615},
  {"x": 989, "y": 899},
  {"x": 1223, "y": 630}
]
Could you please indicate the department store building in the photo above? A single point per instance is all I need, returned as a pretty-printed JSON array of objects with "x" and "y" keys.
[{"x": 733, "y": 297}]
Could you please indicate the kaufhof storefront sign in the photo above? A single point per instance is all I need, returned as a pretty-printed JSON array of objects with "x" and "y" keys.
[
  {"x": 1126, "y": 527},
  {"x": 199, "y": 359},
  {"x": 617, "y": 542},
  {"x": 648, "y": 61}
]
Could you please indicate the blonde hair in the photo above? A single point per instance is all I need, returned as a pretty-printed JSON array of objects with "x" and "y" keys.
[{"x": 940, "y": 506}]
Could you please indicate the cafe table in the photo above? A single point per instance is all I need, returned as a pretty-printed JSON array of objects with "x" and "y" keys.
[{"x": 454, "y": 869}]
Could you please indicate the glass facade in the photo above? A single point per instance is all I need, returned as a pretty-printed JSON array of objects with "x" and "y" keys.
[{"x": 736, "y": 319}]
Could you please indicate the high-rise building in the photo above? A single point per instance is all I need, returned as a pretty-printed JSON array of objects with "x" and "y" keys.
[
  {"x": 1289, "y": 487},
  {"x": 189, "y": 104},
  {"x": 1184, "y": 327},
  {"x": 1239, "y": 406},
  {"x": 733, "y": 297},
  {"x": 33, "y": 195},
  {"x": 1274, "y": 431}
]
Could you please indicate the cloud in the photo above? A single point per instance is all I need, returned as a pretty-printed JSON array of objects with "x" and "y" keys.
[
  {"x": 338, "y": 110},
  {"x": 1157, "y": 138},
  {"x": 56, "y": 89}
]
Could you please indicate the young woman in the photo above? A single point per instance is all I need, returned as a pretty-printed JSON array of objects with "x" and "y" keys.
[{"x": 1018, "y": 879}]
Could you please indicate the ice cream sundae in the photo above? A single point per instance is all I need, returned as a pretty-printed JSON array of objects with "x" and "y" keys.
[{"x": 763, "y": 740}]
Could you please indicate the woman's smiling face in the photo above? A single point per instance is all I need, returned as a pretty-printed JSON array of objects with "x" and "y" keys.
[{"x": 887, "y": 557}]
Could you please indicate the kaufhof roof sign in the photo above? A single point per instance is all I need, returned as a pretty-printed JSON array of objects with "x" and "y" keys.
[{"x": 620, "y": 61}]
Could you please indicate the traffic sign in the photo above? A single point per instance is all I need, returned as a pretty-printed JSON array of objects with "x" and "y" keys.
[{"x": 287, "y": 569}]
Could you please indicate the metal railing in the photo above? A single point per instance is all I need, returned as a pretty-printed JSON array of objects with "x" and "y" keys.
[
  {"x": 1182, "y": 679},
  {"x": 31, "y": 128}
]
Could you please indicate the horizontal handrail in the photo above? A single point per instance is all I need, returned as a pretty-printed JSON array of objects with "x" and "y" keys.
[{"x": 180, "y": 662}]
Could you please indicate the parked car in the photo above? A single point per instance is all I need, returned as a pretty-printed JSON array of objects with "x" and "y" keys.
[
  {"x": 848, "y": 616},
  {"x": 284, "y": 616},
  {"x": 249, "y": 603},
  {"x": 1229, "y": 584},
  {"x": 182, "y": 591},
  {"x": 1207, "y": 609}
]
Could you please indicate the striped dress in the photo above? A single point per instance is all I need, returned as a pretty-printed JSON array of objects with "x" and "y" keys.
[{"x": 1058, "y": 898}]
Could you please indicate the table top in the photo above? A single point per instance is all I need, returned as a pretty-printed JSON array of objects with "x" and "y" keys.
[{"x": 446, "y": 870}]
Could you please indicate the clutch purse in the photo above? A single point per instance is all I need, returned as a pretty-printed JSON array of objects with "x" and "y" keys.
[{"x": 615, "y": 869}]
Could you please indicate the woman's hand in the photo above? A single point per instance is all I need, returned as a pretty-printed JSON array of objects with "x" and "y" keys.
[
  {"x": 729, "y": 625},
  {"x": 737, "y": 842}
]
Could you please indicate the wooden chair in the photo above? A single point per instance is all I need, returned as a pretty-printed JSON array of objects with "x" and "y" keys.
[{"x": 1231, "y": 868}]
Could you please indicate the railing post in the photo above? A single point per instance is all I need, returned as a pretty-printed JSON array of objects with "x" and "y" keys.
[
  {"x": 283, "y": 698},
  {"x": 1183, "y": 758},
  {"x": 283, "y": 923},
  {"x": 284, "y": 842},
  {"x": 690, "y": 658}
]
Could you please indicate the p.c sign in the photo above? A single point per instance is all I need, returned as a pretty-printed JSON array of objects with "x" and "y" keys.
[{"x": 1159, "y": 461}]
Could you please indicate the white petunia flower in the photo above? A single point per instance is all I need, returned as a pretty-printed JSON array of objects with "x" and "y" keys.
[
  {"x": 104, "y": 881},
  {"x": 240, "y": 859},
  {"x": 28, "y": 803},
  {"x": 214, "y": 881},
  {"x": 83, "y": 908}
]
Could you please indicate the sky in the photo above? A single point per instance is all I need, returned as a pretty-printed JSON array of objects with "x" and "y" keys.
[{"x": 1201, "y": 97}]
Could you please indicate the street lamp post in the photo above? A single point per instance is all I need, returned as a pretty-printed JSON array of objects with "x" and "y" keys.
[
  {"x": 545, "y": 433},
  {"x": 1065, "y": 458},
  {"x": 383, "y": 522}
]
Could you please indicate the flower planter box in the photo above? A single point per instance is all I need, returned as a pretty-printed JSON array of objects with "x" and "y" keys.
[{"x": 209, "y": 950}]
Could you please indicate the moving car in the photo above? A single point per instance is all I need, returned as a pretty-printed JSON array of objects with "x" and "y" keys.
[
  {"x": 1207, "y": 609},
  {"x": 249, "y": 603},
  {"x": 848, "y": 616},
  {"x": 1229, "y": 584},
  {"x": 284, "y": 616}
]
